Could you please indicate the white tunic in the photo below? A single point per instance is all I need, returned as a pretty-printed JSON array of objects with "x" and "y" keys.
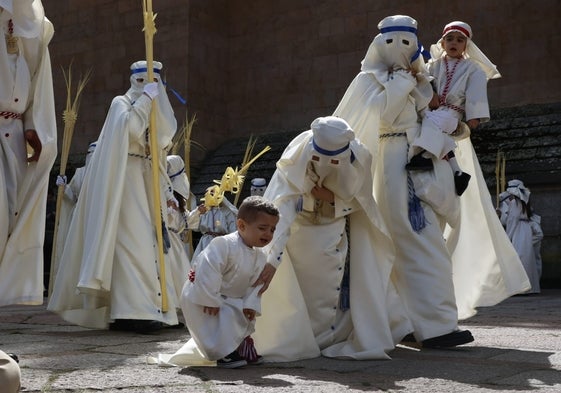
[
  {"x": 467, "y": 93},
  {"x": 302, "y": 313},
  {"x": 25, "y": 88},
  {"x": 423, "y": 265},
  {"x": 224, "y": 273}
]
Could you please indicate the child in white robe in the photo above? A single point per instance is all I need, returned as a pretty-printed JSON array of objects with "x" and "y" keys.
[
  {"x": 460, "y": 72},
  {"x": 219, "y": 302},
  {"x": 516, "y": 217}
]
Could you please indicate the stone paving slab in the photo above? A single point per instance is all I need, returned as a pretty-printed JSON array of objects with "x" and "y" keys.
[{"x": 517, "y": 348}]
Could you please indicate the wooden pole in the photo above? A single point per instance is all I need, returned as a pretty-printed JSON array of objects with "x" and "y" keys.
[
  {"x": 187, "y": 160},
  {"x": 149, "y": 31}
]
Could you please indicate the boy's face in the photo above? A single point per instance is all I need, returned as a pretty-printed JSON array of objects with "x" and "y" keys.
[
  {"x": 454, "y": 44},
  {"x": 260, "y": 232}
]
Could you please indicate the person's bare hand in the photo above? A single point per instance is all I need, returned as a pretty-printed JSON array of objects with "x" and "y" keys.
[
  {"x": 472, "y": 123},
  {"x": 211, "y": 310},
  {"x": 249, "y": 313},
  {"x": 434, "y": 102},
  {"x": 201, "y": 208},
  {"x": 32, "y": 138},
  {"x": 323, "y": 194},
  {"x": 265, "y": 277}
]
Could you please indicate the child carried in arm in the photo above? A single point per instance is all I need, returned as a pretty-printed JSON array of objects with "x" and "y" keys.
[{"x": 460, "y": 71}]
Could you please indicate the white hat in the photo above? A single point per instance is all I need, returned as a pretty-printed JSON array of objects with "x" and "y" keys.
[
  {"x": 472, "y": 51},
  {"x": 516, "y": 187},
  {"x": 460, "y": 27},
  {"x": 258, "y": 182},
  {"x": 91, "y": 147},
  {"x": 258, "y": 186},
  {"x": 142, "y": 67},
  {"x": 397, "y": 46},
  {"x": 176, "y": 173},
  {"x": 331, "y": 135}
]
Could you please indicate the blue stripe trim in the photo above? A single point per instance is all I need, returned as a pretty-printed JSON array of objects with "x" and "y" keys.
[
  {"x": 177, "y": 174},
  {"x": 398, "y": 28},
  {"x": 420, "y": 51},
  {"x": 139, "y": 70},
  {"x": 329, "y": 152}
]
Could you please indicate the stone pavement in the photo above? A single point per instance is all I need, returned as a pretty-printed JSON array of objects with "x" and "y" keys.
[{"x": 517, "y": 348}]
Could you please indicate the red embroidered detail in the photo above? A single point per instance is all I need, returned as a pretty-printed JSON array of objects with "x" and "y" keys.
[
  {"x": 10, "y": 115},
  {"x": 191, "y": 275},
  {"x": 446, "y": 89},
  {"x": 456, "y": 27}
]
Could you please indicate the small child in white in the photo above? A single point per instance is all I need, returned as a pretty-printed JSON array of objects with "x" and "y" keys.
[
  {"x": 219, "y": 301},
  {"x": 460, "y": 72}
]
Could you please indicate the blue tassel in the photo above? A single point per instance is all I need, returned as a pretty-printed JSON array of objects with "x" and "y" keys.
[
  {"x": 416, "y": 212},
  {"x": 299, "y": 204},
  {"x": 165, "y": 235}
]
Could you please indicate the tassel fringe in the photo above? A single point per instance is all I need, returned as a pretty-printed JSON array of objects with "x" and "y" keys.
[{"x": 247, "y": 350}]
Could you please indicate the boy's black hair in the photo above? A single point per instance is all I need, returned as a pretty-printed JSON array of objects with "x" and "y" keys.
[{"x": 254, "y": 204}]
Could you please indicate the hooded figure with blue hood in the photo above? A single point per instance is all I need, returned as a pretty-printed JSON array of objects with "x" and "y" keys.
[
  {"x": 434, "y": 274},
  {"x": 331, "y": 291},
  {"x": 109, "y": 268},
  {"x": 382, "y": 104}
]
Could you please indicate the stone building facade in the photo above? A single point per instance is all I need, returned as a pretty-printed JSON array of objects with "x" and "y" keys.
[{"x": 268, "y": 68}]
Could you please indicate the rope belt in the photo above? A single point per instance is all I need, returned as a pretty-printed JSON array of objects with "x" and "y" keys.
[
  {"x": 139, "y": 156},
  {"x": 414, "y": 209},
  {"x": 11, "y": 115},
  {"x": 392, "y": 135}
]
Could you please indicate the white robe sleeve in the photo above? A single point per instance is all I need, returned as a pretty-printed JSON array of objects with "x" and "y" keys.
[
  {"x": 252, "y": 300},
  {"x": 477, "y": 105},
  {"x": 399, "y": 82}
]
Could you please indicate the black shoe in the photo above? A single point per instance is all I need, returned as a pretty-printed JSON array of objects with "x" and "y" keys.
[
  {"x": 461, "y": 181},
  {"x": 142, "y": 326},
  {"x": 458, "y": 337},
  {"x": 410, "y": 338},
  {"x": 14, "y": 357},
  {"x": 233, "y": 360},
  {"x": 419, "y": 163}
]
